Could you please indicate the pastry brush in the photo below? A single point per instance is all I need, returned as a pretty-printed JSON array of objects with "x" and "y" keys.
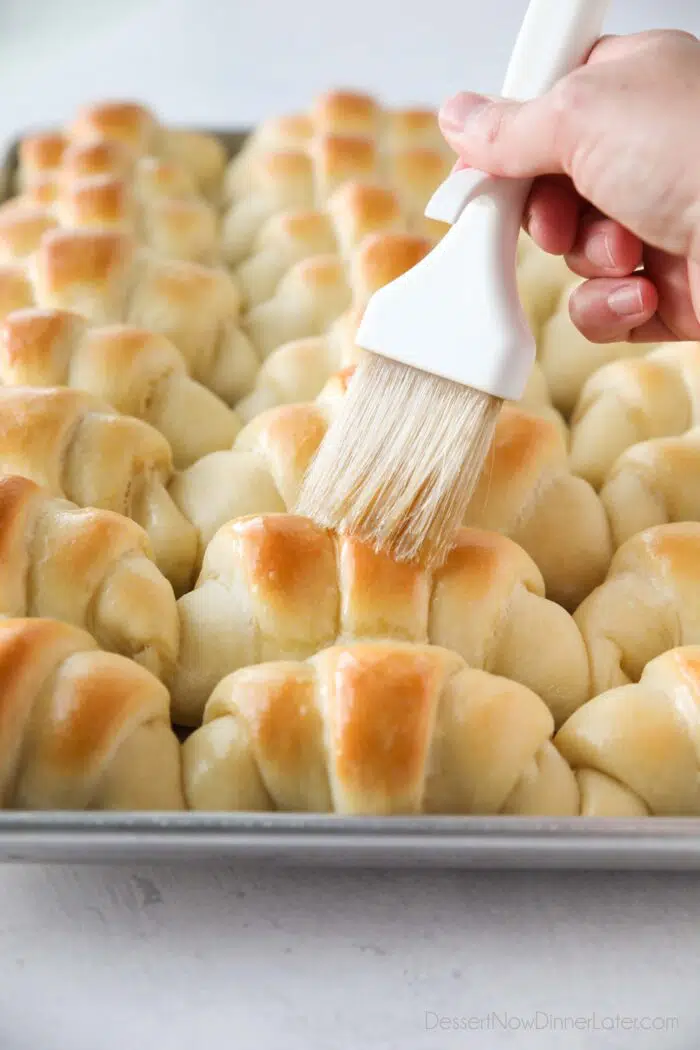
[{"x": 448, "y": 342}]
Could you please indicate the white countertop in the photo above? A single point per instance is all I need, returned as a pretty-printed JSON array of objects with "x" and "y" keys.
[
  {"x": 251, "y": 959},
  {"x": 120, "y": 959}
]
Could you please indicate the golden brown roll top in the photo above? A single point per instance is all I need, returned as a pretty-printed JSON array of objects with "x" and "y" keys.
[
  {"x": 389, "y": 728},
  {"x": 81, "y": 728},
  {"x": 139, "y": 372},
  {"x": 401, "y": 151},
  {"x": 80, "y": 449},
  {"x": 261, "y": 473},
  {"x": 85, "y": 160},
  {"x": 374, "y": 728},
  {"x": 39, "y": 157},
  {"x": 91, "y": 568},
  {"x": 344, "y": 112},
  {"x": 106, "y": 278},
  {"x": 381, "y": 259},
  {"x": 133, "y": 125},
  {"x": 152, "y": 179},
  {"x": 358, "y": 209},
  {"x": 338, "y": 114},
  {"x": 176, "y": 228},
  {"x": 338, "y": 159},
  {"x": 291, "y": 131},
  {"x": 276, "y": 586},
  {"x": 527, "y": 492},
  {"x": 354, "y": 211},
  {"x": 298, "y": 369},
  {"x": 122, "y": 121}
]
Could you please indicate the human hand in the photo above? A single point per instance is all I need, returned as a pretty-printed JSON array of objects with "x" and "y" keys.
[{"x": 615, "y": 155}]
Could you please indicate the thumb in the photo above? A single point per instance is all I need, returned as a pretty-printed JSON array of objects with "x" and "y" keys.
[{"x": 502, "y": 137}]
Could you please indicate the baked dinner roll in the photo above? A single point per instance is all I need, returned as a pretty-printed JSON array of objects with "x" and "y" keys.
[
  {"x": 543, "y": 281},
  {"x": 568, "y": 359},
  {"x": 649, "y": 602},
  {"x": 276, "y": 586},
  {"x": 138, "y": 372},
  {"x": 284, "y": 239},
  {"x": 151, "y": 178},
  {"x": 308, "y": 177},
  {"x": 82, "y": 729},
  {"x": 653, "y": 483},
  {"x": 326, "y": 292},
  {"x": 174, "y": 227},
  {"x": 262, "y": 473},
  {"x": 537, "y": 402},
  {"x": 632, "y": 400},
  {"x": 343, "y": 112},
  {"x": 297, "y": 370},
  {"x": 21, "y": 230},
  {"x": 275, "y": 180},
  {"x": 354, "y": 210},
  {"x": 107, "y": 279},
  {"x": 16, "y": 291},
  {"x": 264, "y": 470},
  {"x": 80, "y": 449},
  {"x": 91, "y": 568},
  {"x": 338, "y": 113},
  {"x": 392, "y": 728},
  {"x": 375, "y": 728},
  {"x": 134, "y": 125},
  {"x": 526, "y": 490},
  {"x": 39, "y": 157},
  {"x": 291, "y": 131},
  {"x": 309, "y": 297},
  {"x": 414, "y": 173},
  {"x": 640, "y": 740},
  {"x": 180, "y": 226}
]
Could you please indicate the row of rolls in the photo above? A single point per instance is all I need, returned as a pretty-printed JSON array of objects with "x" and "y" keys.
[{"x": 177, "y": 331}]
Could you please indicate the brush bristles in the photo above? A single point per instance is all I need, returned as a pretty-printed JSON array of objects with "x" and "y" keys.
[{"x": 399, "y": 464}]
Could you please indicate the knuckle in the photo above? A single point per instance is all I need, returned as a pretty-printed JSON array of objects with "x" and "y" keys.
[
  {"x": 670, "y": 38},
  {"x": 573, "y": 94},
  {"x": 572, "y": 100}
]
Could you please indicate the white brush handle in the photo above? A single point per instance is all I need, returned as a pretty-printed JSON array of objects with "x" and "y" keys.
[
  {"x": 457, "y": 314},
  {"x": 555, "y": 38}
]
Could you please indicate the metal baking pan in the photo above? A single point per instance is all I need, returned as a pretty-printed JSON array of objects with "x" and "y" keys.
[{"x": 660, "y": 844}]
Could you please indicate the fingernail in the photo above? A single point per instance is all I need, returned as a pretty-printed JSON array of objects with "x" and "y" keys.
[
  {"x": 599, "y": 251},
  {"x": 626, "y": 301},
  {"x": 455, "y": 113}
]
